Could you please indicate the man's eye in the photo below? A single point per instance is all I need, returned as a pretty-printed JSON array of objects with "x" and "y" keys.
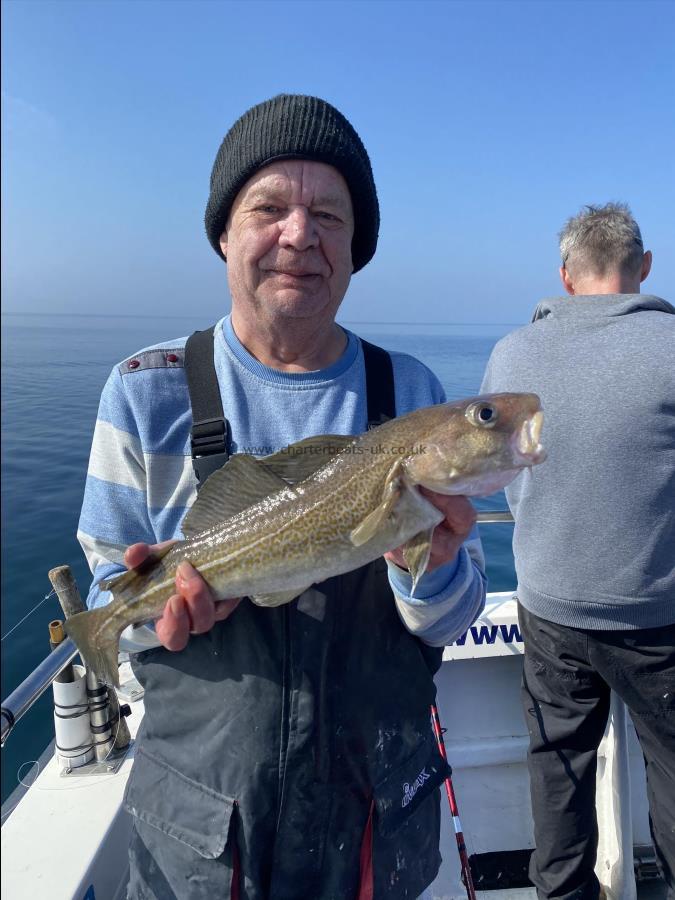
[
  {"x": 268, "y": 208},
  {"x": 328, "y": 217}
]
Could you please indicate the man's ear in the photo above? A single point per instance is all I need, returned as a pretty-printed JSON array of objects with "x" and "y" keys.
[
  {"x": 566, "y": 280},
  {"x": 223, "y": 244},
  {"x": 646, "y": 265}
]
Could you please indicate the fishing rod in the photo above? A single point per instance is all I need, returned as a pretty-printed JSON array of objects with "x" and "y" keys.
[{"x": 467, "y": 878}]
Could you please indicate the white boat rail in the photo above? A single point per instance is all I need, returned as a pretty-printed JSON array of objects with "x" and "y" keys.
[{"x": 493, "y": 516}]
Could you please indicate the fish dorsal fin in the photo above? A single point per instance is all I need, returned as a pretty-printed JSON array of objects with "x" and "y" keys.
[
  {"x": 241, "y": 482},
  {"x": 302, "y": 459}
]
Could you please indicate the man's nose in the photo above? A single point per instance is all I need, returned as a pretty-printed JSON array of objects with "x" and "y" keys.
[{"x": 299, "y": 229}]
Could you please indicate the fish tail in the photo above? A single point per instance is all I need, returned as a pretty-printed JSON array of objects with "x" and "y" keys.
[
  {"x": 97, "y": 631},
  {"x": 97, "y": 639}
]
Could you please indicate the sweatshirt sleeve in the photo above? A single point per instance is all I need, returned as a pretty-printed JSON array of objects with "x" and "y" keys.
[
  {"x": 447, "y": 600},
  {"x": 114, "y": 509}
]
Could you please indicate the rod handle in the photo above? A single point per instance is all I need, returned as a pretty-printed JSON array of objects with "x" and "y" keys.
[{"x": 63, "y": 582}]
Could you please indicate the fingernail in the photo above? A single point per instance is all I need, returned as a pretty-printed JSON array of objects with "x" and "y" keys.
[{"x": 177, "y": 607}]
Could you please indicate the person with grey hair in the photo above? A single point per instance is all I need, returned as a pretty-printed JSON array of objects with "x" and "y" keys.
[
  {"x": 594, "y": 540},
  {"x": 601, "y": 248}
]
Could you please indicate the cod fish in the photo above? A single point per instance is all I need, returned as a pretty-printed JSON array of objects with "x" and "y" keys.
[{"x": 269, "y": 528}]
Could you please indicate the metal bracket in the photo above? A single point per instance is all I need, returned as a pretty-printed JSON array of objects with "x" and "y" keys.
[{"x": 107, "y": 766}]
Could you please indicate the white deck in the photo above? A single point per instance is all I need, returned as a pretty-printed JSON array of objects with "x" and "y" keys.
[{"x": 52, "y": 842}]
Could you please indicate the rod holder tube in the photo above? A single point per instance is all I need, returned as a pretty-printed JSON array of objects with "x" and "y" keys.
[
  {"x": 103, "y": 705},
  {"x": 99, "y": 716},
  {"x": 74, "y": 746}
]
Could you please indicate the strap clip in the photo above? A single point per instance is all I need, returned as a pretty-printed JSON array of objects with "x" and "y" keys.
[{"x": 208, "y": 446}]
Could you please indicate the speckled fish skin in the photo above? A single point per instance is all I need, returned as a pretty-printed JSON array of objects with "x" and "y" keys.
[{"x": 361, "y": 503}]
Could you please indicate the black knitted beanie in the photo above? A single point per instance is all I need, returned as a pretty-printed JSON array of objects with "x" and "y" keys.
[{"x": 292, "y": 126}]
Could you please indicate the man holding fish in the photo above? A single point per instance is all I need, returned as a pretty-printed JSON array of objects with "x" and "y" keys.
[{"x": 281, "y": 730}]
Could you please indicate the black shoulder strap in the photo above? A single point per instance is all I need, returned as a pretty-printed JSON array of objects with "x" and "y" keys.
[
  {"x": 210, "y": 434},
  {"x": 380, "y": 395}
]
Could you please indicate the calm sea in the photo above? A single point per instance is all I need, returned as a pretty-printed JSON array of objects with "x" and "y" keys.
[{"x": 53, "y": 369}]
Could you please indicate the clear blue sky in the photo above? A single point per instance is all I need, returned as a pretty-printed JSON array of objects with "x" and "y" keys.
[{"x": 487, "y": 123}]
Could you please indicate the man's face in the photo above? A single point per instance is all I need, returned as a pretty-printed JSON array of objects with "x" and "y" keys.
[{"x": 288, "y": 242}]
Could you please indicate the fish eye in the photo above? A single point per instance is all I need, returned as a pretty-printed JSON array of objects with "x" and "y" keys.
[{"x": 482, "y": 414}]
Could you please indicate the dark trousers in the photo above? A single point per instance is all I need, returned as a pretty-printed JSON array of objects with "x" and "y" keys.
[{"x": 567, "y": 677}]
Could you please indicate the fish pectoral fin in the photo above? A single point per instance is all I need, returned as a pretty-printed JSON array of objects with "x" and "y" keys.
[
  {"x": 416, "y": 554},
  {"x": 302, "y": 459},
  {"x": 242, "y": 482},
  {"x": 276, "y": 599},
  {"x": 367, "y": 529}
]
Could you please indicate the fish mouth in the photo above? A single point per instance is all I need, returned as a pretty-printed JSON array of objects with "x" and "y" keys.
[{"x": 527, "y": 446}]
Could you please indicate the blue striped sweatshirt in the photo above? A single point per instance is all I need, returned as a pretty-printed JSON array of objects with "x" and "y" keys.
[{"x": 140, "y": 481}]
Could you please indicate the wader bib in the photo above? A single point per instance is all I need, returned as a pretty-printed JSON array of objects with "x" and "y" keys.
[{"x": 288, "y": 753}]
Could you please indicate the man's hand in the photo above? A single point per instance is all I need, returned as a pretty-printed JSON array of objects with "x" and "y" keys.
[
  {"x": 449, "y": 535},
  {"x": 192, "y": 609}
]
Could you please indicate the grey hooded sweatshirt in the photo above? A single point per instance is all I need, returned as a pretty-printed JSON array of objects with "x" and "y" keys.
[{"x": 594, "y": 538}]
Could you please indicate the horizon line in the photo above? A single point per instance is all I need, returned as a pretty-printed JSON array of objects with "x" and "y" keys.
[{"x": 150, "y": 315}]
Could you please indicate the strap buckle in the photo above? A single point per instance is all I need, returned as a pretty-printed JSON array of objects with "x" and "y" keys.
[{"x": 208, "y": 446}]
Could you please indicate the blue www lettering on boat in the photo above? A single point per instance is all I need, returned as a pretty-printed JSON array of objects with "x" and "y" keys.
[{"x": 488, "y": 634}]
